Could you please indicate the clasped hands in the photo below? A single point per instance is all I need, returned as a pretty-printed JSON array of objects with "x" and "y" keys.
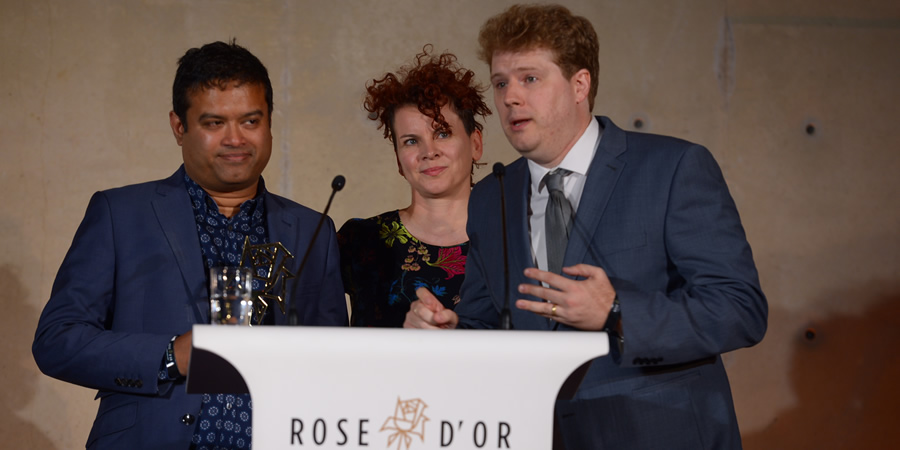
[{"x": 583, "y": 304}]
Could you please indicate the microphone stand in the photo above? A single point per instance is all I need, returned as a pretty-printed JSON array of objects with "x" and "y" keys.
[
  {"x": 336, "y": 185},
  {"x": 505, "y": 313}
]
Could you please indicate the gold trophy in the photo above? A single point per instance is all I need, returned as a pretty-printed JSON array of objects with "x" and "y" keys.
[{"x": 270, "y": 259}]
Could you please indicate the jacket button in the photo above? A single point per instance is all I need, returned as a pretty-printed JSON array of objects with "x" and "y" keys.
[{"x": 187, "y": 419}]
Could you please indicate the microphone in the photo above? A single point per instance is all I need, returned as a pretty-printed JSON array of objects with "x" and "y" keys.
[
  {"x": 505, "y": 313},
  {"x": 336, "y": 185}
]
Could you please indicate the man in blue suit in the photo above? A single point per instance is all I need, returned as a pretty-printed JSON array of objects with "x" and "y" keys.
[
  {"x": 135, "y": 281},
  {"x": 655, "y": 254}
]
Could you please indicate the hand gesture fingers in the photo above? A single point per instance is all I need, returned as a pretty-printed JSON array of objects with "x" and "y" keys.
[
  {"x": 583, "y": 304},
  {"x": 428, "y": 313}
]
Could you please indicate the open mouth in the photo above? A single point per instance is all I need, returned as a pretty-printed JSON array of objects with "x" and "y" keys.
[{"x": 518, "y": 124}]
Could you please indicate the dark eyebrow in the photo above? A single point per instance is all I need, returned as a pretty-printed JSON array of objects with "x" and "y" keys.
[
  {"x": 205, "y": 116},
  {"x": 403, "y": 137},
  {"x": 257, "y": 112}
]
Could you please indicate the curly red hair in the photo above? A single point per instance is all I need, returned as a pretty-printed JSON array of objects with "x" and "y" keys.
[{"x": 431, "y": 83}]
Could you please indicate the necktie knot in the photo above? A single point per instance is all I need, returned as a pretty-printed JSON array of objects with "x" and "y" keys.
[{"x": 554, "y": 180}]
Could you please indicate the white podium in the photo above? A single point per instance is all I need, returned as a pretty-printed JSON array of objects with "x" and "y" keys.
[{"x": 350, "y": 388}]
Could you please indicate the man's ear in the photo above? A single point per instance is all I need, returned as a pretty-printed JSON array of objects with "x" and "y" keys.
[
  {"x": 177, "y": 127},
  {"x": 581, "y": 83}
]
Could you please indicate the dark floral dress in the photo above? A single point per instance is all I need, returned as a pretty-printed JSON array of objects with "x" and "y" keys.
[{"x": 383, "y": 264}]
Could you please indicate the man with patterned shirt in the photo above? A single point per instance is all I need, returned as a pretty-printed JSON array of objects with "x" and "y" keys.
[{"x": 134, "y": 281}]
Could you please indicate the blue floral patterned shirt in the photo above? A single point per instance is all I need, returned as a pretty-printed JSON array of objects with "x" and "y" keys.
[{"x": 225, "y": 419}]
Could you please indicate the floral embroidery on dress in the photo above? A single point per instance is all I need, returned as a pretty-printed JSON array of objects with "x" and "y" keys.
[
  {"x": 451, "y": 260},
  {"x": 392, "y": 231},
  {"x": 410, "y": 262},
  {"x": 383, "y": 264}
]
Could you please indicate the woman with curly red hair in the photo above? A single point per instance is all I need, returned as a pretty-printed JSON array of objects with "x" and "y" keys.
[{"x": 428, "y": 112}]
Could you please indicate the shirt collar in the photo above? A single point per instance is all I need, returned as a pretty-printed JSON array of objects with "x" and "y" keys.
[
  {"x": 204, "y": 204},
  {"x": 578, "y": 160}
]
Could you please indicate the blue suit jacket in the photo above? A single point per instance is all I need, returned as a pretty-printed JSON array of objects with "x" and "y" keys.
[
  {"x": 133, "y": 278},
  {"x": 657, "y": 216}
]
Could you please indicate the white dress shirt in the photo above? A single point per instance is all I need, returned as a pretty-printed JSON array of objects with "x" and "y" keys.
[{"x": 577, "y": 161}]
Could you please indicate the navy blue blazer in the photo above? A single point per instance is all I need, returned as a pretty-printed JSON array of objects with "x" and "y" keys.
[
  {"x": 657, "y": 216},
  {"x": 133, "y": 278}
]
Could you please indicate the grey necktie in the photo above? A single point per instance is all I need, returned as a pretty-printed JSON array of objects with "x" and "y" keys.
[{"x": 558, "y": 219}]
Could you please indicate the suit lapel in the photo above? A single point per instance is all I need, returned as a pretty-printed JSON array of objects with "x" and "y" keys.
[
  {"x": 602, "y": 176},
  {"x": 172, "y": 207},
  {"x": 520, "y": 257},
  {"x": 281, "y": 225}
]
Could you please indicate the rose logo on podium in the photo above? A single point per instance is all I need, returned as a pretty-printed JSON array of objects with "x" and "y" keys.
[{"x": 408, "y": 421}]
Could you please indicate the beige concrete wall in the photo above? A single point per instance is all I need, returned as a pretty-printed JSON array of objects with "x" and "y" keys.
[{"x": 85, "y": 89}]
